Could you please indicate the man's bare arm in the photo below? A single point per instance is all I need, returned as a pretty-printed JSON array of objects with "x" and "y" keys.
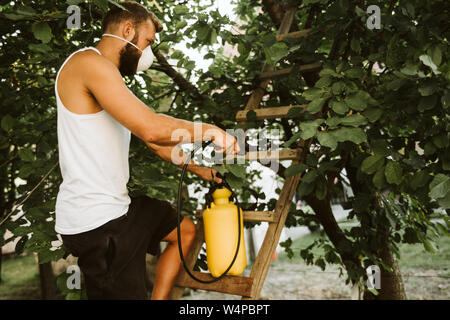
[
  {"x": 167, "y": 154},
  {"x": 104, "y": 81}
]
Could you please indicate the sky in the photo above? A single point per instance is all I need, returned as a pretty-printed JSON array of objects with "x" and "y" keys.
[{"x": 225, "y": 7}]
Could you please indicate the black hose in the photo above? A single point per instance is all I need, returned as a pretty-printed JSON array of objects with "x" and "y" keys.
[{"x": 180, "y": 250}]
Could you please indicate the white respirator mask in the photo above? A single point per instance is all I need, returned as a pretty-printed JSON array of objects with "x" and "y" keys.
[{"x": 147, "y": 56}]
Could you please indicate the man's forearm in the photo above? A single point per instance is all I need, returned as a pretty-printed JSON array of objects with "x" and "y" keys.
[
  {"x": 171, "y": 131},
  {"x": 174, "y": 155}
]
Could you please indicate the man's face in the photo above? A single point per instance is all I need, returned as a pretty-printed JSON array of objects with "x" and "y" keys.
[{"x": 129, "y": 55}]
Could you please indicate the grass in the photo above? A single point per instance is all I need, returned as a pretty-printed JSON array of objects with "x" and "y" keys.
[
  {"x": 20, "y": 278},
  {"x": 20, "y": 274},
  {"x": 415, "y": 256},
  {"x": 412, "y": 256}
]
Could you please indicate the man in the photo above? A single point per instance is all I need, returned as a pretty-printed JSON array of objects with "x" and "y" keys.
[{"x": 99, "y": 222}]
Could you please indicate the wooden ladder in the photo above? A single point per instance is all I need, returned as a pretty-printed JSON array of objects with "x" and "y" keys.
[{"x": 250, "y": 287}]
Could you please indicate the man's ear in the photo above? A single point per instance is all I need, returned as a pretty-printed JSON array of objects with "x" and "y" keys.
[{"x": 128, "y": 30}]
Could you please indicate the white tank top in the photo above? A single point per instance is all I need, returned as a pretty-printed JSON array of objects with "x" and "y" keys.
[{"x": 93, "y": 158}]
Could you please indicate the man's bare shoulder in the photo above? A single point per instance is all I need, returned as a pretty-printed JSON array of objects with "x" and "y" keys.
[{"x": 89, "y": 60}]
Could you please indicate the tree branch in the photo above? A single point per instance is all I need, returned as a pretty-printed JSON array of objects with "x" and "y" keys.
[{"x": 178, "y": 78}]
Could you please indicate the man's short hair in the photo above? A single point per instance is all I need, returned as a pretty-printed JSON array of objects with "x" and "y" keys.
[{"x": 136, "y": 13}]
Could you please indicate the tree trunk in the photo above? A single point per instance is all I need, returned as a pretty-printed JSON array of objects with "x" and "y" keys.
[
  {"x": 49, "y": 290},
  {"x": 391, "y": 283}
]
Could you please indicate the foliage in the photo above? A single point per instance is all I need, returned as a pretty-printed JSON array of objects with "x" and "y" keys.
[{"x": 380, "y": 107}]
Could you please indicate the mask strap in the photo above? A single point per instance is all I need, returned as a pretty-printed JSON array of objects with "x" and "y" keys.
[{"x": 113, "y": 35}]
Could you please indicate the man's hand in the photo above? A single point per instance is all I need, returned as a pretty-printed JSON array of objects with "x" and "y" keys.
[
  {"x": 225, "y": 141},
  {"x": 205, "y": 174},
  {"x": 165, "y": 153}
]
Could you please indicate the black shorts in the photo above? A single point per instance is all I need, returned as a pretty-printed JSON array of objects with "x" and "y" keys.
[{"x": 112, "y": 256}]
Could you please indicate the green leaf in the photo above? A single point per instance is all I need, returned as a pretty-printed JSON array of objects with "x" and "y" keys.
[
  {"x": 337, "y": 87},
  {"x": 356, "y": 73},
  {"x": 327, "y": 139},
  {"x": 393, "y": 172},
  {"x": 181, "y": 24},
  {"x": 339, "y": 107},
  {"x": 203, "y": 32},
  {"x": 437, "y": 56},
  {"x": 243, "y": 49},
  {"x": 316, "y": 105},
  {"x": 42, "y": 31},
  {"x": 294, "y": 138},
  {"x": 177, "y": 54},
  {"x": 26, "y": 154},
  {"x": 312, "y": 93},
  {"x": 305, "y": 188},
  {"x": 310, "y": 176},
  {"x": 427, "y": 89},
  {"x": 329, "y": 72},
  {"x": 354, "y": 120},
  {"x": 309, "y": 129},
  {"x": 323, "y": 82},
  {"x": 372, "y": 163},
  {"x": 321, "y": 188},
  {"x": 441, "y": 141},
  {"x": 26, "y": 170},
  {"x": 355, "y": 135},
  {"x": 426, "y": 60},
  {"x": 180, "y": 9},
  {"x": 445, "y": 201},
  {"x": 379, "y": 180},
  {"x": 7, "y": 122},
  {"x": 235, "y": 183},
  {"x": 354, "y": 44},
  {"x": 333, "y": 122},
  {"x": 357, "y": 101},
  {"x": 427, "y": 103},
  {"x": 295, "y": 169},
  {"x": 429, "y": 246},
  {"x": 220, "y": 169},
  {"x": 420, "y": 179},
  {"x": 410, "y": 69},
  {"x": 237, "y": 170},
  {"x": 276, "y": 52},
  {"x": 213, "y": 36},
  {"x": 251, "y": 115},
  {"x": 373, "y": 114},
  {"x": 102, "y": 4},
  {"x": 40, "y": 47},
  {"x": 294, "y": 112},
  {"x": 440, "y": 186}
]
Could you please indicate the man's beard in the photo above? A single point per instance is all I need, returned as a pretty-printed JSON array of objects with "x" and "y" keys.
[{"x": 129, "y": 58}]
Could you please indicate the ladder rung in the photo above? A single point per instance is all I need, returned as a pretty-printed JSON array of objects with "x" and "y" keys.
[
  {"x": 253, "y": 216},
  {"x": 259, "y": 216},
  {"x": 228, "y": 284},
  {"x": 296, "y": 34},
  {"x": 280, "y": 154},
  {"x": 268, "y": 113},
  {"x": 284, "y": 72}
]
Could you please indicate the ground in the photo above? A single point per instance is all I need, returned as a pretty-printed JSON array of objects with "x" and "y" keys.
[
  {"x": 288, "y": 281},
  {"x": 425, "y": 275}
]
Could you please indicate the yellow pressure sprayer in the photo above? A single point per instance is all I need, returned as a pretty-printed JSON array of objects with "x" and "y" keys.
[{"x": 223, "y": 226}]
